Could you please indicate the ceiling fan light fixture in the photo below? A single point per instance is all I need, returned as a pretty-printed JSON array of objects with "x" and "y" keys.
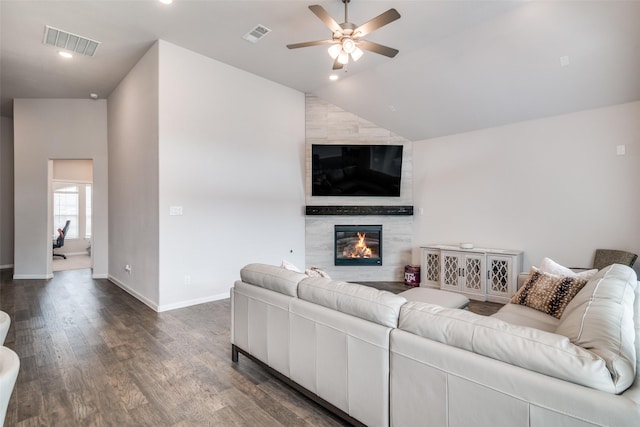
[
  {"x": 346, "y": 38},
  {"x": 348, "y": 45},
  {"x": 343, "y": 58},
  {"x": 334, "y": 50},
  {"x": 356, "y": 54}
]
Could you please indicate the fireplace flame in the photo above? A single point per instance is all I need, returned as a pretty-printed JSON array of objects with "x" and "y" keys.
[{"x": 359, "y": 250}]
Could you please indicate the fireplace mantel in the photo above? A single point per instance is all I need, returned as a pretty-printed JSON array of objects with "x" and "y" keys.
[{"x": 360, "y": 210}]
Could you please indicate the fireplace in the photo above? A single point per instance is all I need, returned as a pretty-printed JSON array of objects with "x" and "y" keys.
[{"x": 358, "y": 245}]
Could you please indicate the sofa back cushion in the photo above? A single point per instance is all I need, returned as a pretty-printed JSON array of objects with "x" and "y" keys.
[
  {"x": 365, "y": 302},
  {"x": 601, "y": 319},
  {"x": 522, "y": 315},
  {"x": 539, "y": 351},
  {"x": 273, "y": 278}
]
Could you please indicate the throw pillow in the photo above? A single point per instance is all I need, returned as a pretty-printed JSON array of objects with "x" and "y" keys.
[
  {"x": 550, "y": 266},
  {"x": 288, "y": 266},
  {"x": 316, "y": 272},
  {"x": 548, "y": 293}
]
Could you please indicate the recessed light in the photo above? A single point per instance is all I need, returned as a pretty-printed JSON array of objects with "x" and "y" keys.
[
  {"x": 166, "y": 1},
  {"x": 333, "y": 77},
  {"x": 93, "y": 96},
  {"x": 65, "y": 54}
]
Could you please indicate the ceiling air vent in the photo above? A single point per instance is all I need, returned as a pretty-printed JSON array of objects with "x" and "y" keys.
[
  {"x": 72, "y": 42},
  {"x": 257, "y": 33}
]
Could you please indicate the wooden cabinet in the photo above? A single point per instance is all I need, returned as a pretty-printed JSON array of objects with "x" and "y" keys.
[
  {"x": 480, "y": 273},
  {"x": 463, "y": 272},
  {"x": 430, "y": 268}
]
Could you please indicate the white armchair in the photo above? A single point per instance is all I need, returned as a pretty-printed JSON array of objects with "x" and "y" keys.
[
  {"x": 5, "y": 322},
  {"x": 9, "y": 366}
]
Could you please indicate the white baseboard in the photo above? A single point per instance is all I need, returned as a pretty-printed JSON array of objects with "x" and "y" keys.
[
  {"x": 5, "y": 267},
  {"x": 73, "y": 253},
  {"x": 32, "y": 276},
  {"x": 134, "y": 293},
  {"x": 101, "y": 276},
  {"x": 85, "y": 253},
  {"x": 189, "y": 303},
  {"x": 165, "y": 307}
]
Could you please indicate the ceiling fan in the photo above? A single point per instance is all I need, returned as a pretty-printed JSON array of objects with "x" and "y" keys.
[{"x": 346, "y": 40}]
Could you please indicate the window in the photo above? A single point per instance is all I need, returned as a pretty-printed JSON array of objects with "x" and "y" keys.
[
  {"x": 87, "y": 229},
  {"x": 65, "y": 207},
  {"x": 72, "y": 201}
]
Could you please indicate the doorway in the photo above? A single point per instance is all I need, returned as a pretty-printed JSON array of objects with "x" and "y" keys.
[{"x": 72, "y": 200}]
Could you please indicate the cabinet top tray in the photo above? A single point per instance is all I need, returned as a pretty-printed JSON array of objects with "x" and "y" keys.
[{"x": 474, "y": 250}]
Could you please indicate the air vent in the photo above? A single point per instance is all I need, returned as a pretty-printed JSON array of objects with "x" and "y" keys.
[
  {"x": 256, "y": 34},
  {"x": 68, "y": 41}
]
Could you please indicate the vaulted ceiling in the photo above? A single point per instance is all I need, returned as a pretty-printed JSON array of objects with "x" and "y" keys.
[{"x": 463, "y": 65}]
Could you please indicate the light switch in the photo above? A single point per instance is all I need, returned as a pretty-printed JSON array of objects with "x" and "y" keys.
[
  {"x": 621, "y": 150},
  {"x": 175, "y": 210}
]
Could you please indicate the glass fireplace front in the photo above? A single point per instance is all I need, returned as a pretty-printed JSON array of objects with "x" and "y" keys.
[{"x": 358, "y": 244}]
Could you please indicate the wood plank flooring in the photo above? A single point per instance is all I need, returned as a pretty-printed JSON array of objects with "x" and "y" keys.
[{"x": 92, "y": 355}]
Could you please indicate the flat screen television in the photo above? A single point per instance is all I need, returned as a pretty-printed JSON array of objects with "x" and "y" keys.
[{"x": 356, "y": 170}]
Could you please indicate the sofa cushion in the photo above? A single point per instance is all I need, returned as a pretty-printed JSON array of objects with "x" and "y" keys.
[
  {"x": 436, "y": 296},
  {"x": 543, "y": 352},
  {"x": 351, "y": 298},
  {"x": 548, "y": 293},
  {"x": 271, "y": 277},
  {"x": 600, "y": 319},
  {"x": 522, "y": 315}
]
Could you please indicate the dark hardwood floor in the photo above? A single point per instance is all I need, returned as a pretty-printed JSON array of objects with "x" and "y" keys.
[{"x": 92, "y": 355}]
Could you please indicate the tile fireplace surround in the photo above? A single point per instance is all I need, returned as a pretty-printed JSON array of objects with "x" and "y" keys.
[
  {"x": 396, "y": 235},
  {"x": 327, "y": 124}
]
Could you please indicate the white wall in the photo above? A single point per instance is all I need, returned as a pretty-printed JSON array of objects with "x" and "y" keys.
[
  {"x": 6, "y": 192},
  {"x": 73, "y": 170},
  {"x": 133, "y": 180},
  {"x": 232, "y": 155},
  {"x": 551, "y": 187},
  {"x": 48, "y": 129}
]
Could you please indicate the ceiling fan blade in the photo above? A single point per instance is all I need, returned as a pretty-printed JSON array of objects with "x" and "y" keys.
[
  {"x": 336, "y": 65},
  {"x": 307, "y": 44},
  {"x": 325, "y": 17},
  {"x": 377, "y": 22},
  {"x": 377, "y": 48}
]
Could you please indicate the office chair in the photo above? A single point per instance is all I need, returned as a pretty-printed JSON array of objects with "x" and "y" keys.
[{"x": 60, "y": 240}]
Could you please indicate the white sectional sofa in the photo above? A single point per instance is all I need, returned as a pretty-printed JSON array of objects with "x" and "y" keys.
[
  {"x": 330, "y": 338},
  {"x": 378, "y": 360}
]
